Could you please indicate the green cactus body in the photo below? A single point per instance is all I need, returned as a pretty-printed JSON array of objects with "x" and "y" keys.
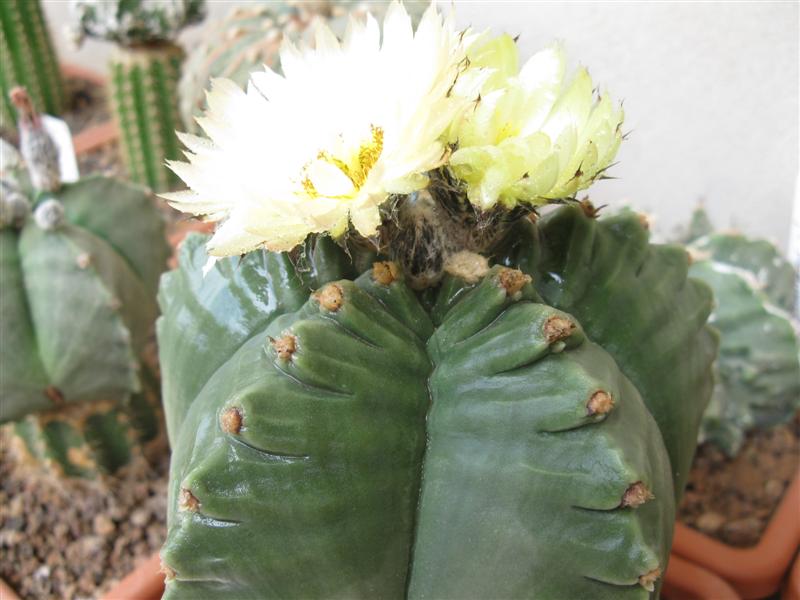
[
  {"x": 77, "y": 306},
  {"x": 634, "y": 299},
  {"x": 144, "y": 98},
  {"x": 758, "y": 369},
  {"x": 27, "y": 58},
  {"x": 481, "y": 443}
]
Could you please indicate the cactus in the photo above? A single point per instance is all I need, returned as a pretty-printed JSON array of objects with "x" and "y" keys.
[
  {"x": 392, "y": 375},
  {"x": 143, "y": 90},
  {"x": 758, "y": 369},
  {"x": 391, "y": 440},
  {"x": 79, "y": 269},
  {"x": 144, "y": 77},
  {"x": 249, "y": 38},
  {"x": 27, "y": 58}
]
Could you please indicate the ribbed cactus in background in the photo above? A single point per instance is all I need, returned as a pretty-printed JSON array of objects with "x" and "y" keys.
[
  {"x": 144, "y": 73},
  {"x": 250, "y": 37},
  {"x": 27, "y": 58},
  {"x": 542, "y": 448},
  {"x": 758, "y": 369},
  {"x": 78, "y": 272}
]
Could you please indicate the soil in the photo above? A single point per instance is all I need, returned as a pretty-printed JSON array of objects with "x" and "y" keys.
[
  {"x": 105, "y": 160},
  {"x": 86, "y": 104},
  {"x": 732, "y": 499},
  {"x": 74, "y": 538}
]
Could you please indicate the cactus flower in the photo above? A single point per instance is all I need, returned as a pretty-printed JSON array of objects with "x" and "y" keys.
[
  {"x": 533, "y": 137},
  {"x": 325, "y": 144}
]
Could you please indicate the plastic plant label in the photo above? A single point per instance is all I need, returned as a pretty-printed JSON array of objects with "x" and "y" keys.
[{"x": 62, "y": 137}]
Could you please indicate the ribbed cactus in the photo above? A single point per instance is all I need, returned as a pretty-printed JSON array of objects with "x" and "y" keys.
[
  {"x": 144, "y": 73},
  {"x": 27, "y": 58},
  {"x": 79, "y": 268},
  {"x": 758, "y": 369},
  {"x": 143, "y": 92},
  {"x": 250, "y": 37},
  {"x": 470, "y": 440}
]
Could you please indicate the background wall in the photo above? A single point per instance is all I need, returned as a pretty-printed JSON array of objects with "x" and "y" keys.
[{"x": 710, "y": 92}]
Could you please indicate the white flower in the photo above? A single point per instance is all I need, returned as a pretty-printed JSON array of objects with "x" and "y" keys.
[
  {"x": 533, "y": 137},
  {"x": 326, "y": 143}
]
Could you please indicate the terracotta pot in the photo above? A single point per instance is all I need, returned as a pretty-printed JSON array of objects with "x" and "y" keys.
[
  {"x": 687, "y": 581},
  {"x": 96, "y": 135},
  {"x": 145, "y": 582},
  {"x": 71, "y": 70},
  {"x": 754, "y": 572},
  {"x": 791, "y": 591},
  {"x": 6, "y": 592},
  {"x": 180, "y": 230}
]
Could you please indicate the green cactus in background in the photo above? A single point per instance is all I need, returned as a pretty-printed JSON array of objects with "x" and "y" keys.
[
  {"x": 758, "y": 369},
  {"x": 27, "y": 58},
  {"x": 250, "y": 37},
  {"x": 144, "y": 76},
  {"x": 79, "y": 267},
  {"x": 143, "y": 91},
  {"x": 512, "y": 432}
]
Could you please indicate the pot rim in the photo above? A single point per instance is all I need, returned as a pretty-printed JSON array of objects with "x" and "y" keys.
[
  {"x": 145, "y": 582},
  {"x": 757, "y": 571},
  {"x": 685, "y": 579}
]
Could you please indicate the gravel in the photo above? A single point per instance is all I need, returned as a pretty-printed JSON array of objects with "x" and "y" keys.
[
  {"x": 732, "y": 500},
  {"x": 74, "y": 538}
]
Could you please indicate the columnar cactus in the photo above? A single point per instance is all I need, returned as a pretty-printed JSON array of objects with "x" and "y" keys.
[
  {"x": 80, "y": 265},
  {"x": 143, "y": 91},
  {"x": 758, "y": 369},
  {"x": 384, "y": 372},
  {"x": 144, "y": 76},
  {"x": 27, "y": 58}
]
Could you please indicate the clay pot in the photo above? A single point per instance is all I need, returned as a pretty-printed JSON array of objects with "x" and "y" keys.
[
  {"x": 753, "y": 572},
  {"x": 687, "y": 581},
  {"x": 145, "y": 582},
  {"x": 6, "y": 592},
  {"x": 97, "y": 135},
  {"x": 791, "y": 590},
  {"x": 180, "y": 230}
]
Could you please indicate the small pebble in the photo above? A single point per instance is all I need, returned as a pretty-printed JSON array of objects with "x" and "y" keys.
[
  {"x": 742, "y": 530},
  {"x": 773, "y": 489},
  {"x": 710, "y": 522},
  {"x": 103, "y": 525}
]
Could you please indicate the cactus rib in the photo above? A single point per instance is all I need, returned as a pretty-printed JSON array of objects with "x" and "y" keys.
[
  {"x": 537, "y": 443},
  {"x": 28, "y": 58},
  {"x": 143, "y": 83}
]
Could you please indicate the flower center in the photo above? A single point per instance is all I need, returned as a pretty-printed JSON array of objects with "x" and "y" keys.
[{"x": 330, "y": 176}]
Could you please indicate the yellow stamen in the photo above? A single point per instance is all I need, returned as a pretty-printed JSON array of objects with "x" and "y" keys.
[{"x": 368, "y": 154}]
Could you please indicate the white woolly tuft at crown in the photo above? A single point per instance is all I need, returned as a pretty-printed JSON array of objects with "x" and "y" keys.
[{"x": 49, "y": 214}]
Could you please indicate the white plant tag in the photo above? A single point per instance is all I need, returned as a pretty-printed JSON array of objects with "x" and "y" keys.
[{"x": 62, "y": 138}]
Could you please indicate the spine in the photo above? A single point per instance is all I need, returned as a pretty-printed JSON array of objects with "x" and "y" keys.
[
  {"x": 28, "y": 58},
  {"x": 144, "y": 99}
]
